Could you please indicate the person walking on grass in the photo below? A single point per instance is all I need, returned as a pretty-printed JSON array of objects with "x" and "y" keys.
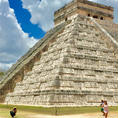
[
  {"x": 102, "y": 107},
  {"x": 13, "y": 112},
  {"x": 105, "y": 109}
]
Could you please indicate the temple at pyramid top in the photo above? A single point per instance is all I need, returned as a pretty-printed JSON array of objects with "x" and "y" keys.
[{"x": 85, "y": 8}]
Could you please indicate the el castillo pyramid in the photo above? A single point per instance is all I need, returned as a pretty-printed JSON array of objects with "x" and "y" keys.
[{"x": 75, "y": 64}]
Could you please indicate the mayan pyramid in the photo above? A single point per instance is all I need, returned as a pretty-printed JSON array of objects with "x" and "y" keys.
[{"x": 75, "y": 64}]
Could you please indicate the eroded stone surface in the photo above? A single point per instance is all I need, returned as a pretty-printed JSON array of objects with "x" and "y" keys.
[{"x": 78, "y": 68}]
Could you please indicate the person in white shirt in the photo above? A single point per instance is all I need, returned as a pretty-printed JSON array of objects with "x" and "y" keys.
[{"x": 106, "y": 109}]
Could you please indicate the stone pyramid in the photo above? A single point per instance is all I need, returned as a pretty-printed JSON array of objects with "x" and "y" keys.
[{"x": 75, "y": 64}]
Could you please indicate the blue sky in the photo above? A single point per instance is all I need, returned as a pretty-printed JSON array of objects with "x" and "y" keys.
[
  {"x": 23, "y": 17},
  {"x": 24, "y": 22}
]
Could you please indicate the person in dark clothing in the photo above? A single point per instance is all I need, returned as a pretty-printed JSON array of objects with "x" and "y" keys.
[
  {"x": 102, "y": 106},
  {"x": 13, "y": 112}
]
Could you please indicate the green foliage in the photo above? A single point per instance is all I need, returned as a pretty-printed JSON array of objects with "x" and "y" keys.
[{"x": 1, "y": 73}]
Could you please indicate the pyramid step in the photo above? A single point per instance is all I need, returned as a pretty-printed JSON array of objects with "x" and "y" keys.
[
  {"x": 91, "y": 57},
  {"x": 66, "y": 92},
  {"x": 70, "y": 68}
]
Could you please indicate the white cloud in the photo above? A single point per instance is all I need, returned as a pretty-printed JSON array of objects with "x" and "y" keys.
[
  {"x": 3, "y": 1},
  {"x": 13, "y": 41},
  {"x": 5, "y": 57},
  {"x": 43, "y": 12},
  {"x": 4, "y": 66},
  {"x": 32, "y": 42}
]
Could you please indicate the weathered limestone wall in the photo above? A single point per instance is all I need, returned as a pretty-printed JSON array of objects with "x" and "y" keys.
[
  {"x": 26, "y": 62},
  {"x": 78, "y": 68}
]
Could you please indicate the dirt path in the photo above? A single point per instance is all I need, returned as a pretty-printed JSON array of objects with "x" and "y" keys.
[{"x": 92, "y": 115}]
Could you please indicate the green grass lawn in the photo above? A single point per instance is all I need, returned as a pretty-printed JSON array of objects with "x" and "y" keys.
[{"x": 24, "y": 111}]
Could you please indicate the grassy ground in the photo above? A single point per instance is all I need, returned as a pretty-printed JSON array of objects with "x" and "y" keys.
[{"x": 25, "y": 111}]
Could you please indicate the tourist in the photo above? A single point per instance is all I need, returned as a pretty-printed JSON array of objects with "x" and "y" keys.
[
  {"x": 13, "y": 112},
  {"x": 105, "y": 109},
  {"x": 102, "y": 107}
]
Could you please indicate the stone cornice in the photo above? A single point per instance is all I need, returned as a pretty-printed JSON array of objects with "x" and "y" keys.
[
  {"x": 95, "y": 4},
  {"x": 68, "y": 92},
  {"x": 95, "y": 11},
  {"x": 85, "y": 2}
]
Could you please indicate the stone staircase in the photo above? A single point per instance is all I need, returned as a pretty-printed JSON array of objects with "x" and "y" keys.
[{"x": 110, "y": 27}]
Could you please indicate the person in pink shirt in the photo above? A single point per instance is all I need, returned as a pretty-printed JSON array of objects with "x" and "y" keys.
[{"x": 105, "y": 109}]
